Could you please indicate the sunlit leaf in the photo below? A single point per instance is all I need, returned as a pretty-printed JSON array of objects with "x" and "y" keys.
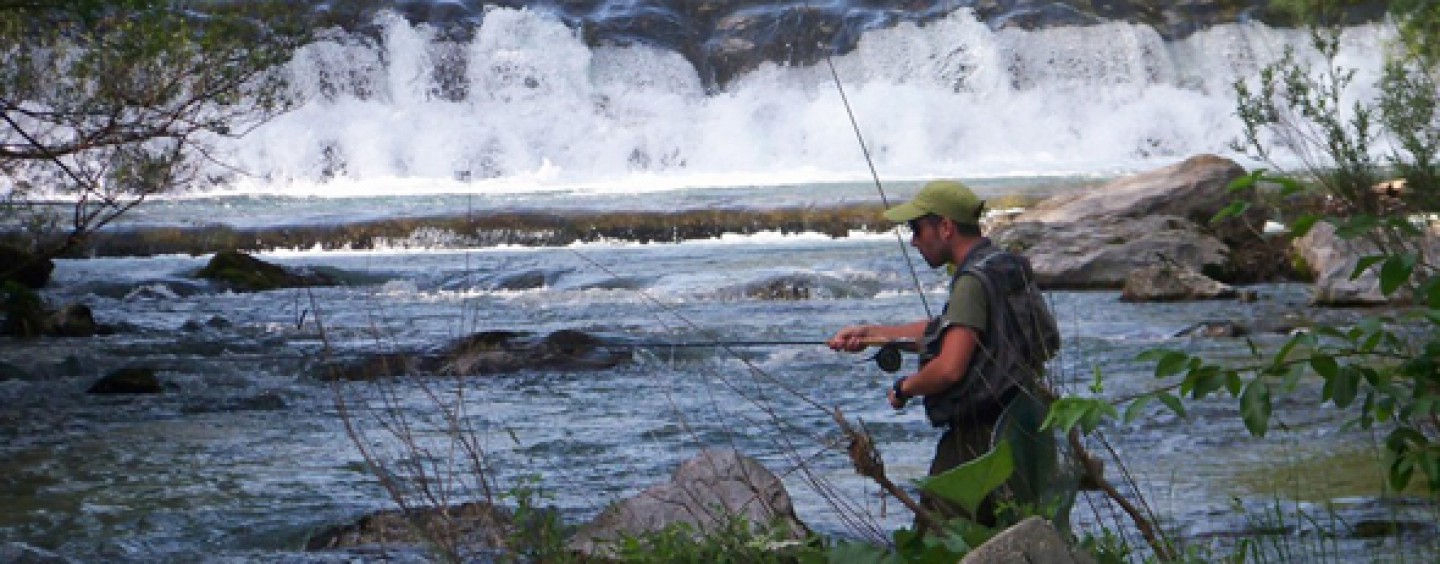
[
  {"x": 1245, "y": 181},
  {"x": 1235, "y": 208},
  {"x": 968, "y": 484}
]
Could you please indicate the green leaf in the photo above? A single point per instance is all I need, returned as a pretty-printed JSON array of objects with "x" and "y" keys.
[
  {"x": 1288, "y": 186},
  {"x": 1245, "y": 181},
  {"x": 1093, "y": 417},
  {"x": 1344, "y": 387},
  {"x": 1152, "y": 355},
  {"x": 968, "y": 484},
  {"x": 1204, "y": 381},
  {"x": 1396, "y": 272},
  {"x": 1065, "y": 413},
  {"x": 1364, "y": 264},
  {"x": 1232, "y": 382},
  {"x": 1235, "y": 208},
  {"x": 1324, "y": 365},
  {"x": 1302, "y": 225},
  {"x": 1171, "y": 363},
  {"x": 856, "y": 551},
  {"x": 1255, "y": 407},
  {"x": 1136, "y": 408},
  {"x": 1356, "y": 226},
  {"x": 1172, "y": 402}
]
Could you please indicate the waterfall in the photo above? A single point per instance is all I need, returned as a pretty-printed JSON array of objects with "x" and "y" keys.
[{"x": 525, "y": 105}]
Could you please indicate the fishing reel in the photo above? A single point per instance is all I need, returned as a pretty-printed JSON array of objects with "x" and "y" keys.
[{"x": 888, "y": 358}]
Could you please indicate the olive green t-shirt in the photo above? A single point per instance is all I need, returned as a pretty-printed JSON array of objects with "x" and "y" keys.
[{"x": 967, "y": 304}]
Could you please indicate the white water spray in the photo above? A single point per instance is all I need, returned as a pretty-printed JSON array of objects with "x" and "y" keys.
[{"x": 525, "y": 106}]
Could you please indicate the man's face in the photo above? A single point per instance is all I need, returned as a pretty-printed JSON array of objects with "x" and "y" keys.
[{"x": 927, "y": 236}]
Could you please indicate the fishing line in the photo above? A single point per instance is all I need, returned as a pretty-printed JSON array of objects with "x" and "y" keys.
[{"x": 865, "y": 150}]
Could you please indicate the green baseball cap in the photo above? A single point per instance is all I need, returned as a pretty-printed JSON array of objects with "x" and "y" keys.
[{"x": 947, "y": 198}]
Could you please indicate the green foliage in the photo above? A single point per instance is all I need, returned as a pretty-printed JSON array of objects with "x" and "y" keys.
[
  {"x": 1384, "y": 371},
  {"x": 536, "y": 533},
  {"x": 23, "y": 308},
  {"x": 1107, "y": 548}
]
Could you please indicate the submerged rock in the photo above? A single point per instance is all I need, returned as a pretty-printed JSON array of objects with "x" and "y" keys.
[
  {"x": 133, "y": 380},
  {"x": 1166, "y": 283},
  {"x": 245, "y": 273},
  {"x": 492, "y": 352}
]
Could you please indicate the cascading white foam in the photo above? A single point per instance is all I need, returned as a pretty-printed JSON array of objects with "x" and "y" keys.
[{"x": 526, "y": 106}]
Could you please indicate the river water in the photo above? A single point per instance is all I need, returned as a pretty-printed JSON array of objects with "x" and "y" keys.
[{"x": 246, "y": 454}]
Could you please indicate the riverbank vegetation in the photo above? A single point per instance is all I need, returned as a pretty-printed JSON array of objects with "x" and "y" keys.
[
  {"x": 1372, "y": 165},
  {"x": 108, "y": 102}
]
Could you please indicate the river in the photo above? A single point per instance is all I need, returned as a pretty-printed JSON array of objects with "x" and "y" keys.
[{"x": 245, "y": 453}]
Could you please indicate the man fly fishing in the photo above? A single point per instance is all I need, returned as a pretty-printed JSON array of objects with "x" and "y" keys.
[{"x": 982, "y": 359}]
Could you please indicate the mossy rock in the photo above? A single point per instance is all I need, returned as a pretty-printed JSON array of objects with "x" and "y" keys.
[{"x": 248, "y": 274}]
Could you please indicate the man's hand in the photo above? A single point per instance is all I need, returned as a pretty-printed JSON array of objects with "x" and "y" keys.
[
  {"x": 898, "y": 398},
  {"x": 897, "y": 402},
  {"x": 851, "y": 339}
]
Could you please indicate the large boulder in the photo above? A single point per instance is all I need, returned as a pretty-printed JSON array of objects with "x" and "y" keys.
[
  {"x": 1095, "y": 239},
  {"x": 1102, "y": 254},
  {"x": 705, "y": 493},
  {"x": 1331, "y": 260}
]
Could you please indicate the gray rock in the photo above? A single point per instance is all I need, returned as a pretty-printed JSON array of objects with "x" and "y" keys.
[
  {"x": 1094, "y": 240},
  {"x": 1165, "y": 283},
  {"x": 1034, "y": 541},
  {"x": 1331, "y": 260},
  {"x": 1096, "y": 254},
  {"x": 705, "y": 492}
]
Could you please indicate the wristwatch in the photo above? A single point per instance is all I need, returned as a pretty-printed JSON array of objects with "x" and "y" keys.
[{"x": 900, "y": 393}]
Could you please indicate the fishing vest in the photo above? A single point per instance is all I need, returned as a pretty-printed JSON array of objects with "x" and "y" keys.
[{"x": 1020, "y": 336}]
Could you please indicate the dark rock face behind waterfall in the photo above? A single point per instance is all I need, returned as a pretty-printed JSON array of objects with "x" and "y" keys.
[{"x": 726, "y": 38}]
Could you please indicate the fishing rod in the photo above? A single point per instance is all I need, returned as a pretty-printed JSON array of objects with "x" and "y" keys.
[{"x": 888, "y": 357}]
